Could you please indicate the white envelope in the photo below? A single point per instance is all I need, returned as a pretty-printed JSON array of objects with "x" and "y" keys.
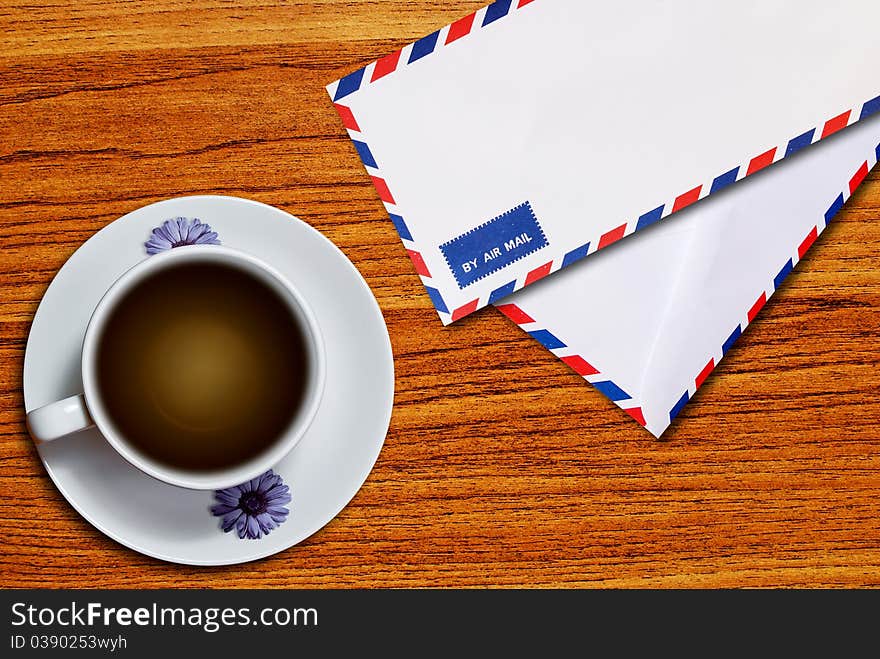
[
  {"x": 532, "y": 133},
  {"x": 647, "y": 321}
]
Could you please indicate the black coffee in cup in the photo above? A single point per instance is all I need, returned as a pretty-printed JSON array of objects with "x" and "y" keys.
[{"x": 202, "y": 366}]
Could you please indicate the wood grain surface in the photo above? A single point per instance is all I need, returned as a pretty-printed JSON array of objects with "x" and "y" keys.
[{"x": 501, "y": 468}]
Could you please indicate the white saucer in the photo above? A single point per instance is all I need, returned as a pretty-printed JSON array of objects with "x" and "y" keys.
[{"x": 324, "y": 471}]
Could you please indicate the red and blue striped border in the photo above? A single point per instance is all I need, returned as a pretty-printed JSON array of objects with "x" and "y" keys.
[
  {"x": 378, "y": 70},
  {"x": 424, "y": 47},
  {"x": 482, "y": 18},
  {"x": 614, "y": 392},
  {"x": 786, "y": 269},
  {"x": 624, "y": 400},
  {"x": 412, "y": 249}
]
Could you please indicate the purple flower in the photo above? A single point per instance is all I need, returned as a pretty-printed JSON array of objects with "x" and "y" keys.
[
  {"x": 253, "y": 508},
  {"x": 180, "y": 231}
]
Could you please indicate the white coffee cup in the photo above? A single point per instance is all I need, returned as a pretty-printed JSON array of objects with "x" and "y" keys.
[{"x": 82, "y": 411}]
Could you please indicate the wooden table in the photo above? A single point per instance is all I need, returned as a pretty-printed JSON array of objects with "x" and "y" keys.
[{"x": 501, "y": 468}]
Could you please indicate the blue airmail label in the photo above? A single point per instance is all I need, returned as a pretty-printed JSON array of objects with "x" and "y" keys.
[{"x": 494, "y": 245}]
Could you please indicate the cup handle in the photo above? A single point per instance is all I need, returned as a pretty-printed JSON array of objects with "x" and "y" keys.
[{"x": 59, "y": 419}]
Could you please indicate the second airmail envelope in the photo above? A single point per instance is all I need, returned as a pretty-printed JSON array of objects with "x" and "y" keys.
[{"x": 647, "y": 321}]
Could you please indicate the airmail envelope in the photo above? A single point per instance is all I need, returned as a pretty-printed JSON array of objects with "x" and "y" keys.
[
  {"x": 646, "y": 321},
  {"x": 533, "y": 133}
]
